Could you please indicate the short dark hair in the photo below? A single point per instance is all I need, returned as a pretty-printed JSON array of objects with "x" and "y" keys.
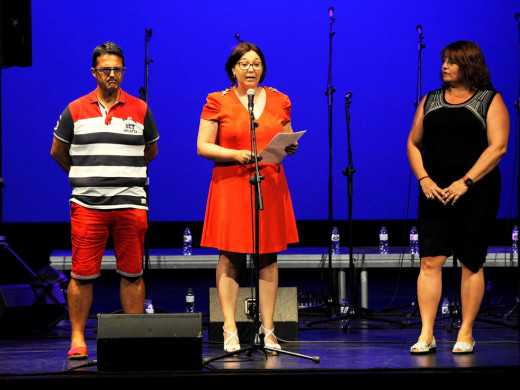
[
  {"x": 237, "y": 53},
  {"x": 107, "y": 48},
  {"x": 470, "y": 59}
]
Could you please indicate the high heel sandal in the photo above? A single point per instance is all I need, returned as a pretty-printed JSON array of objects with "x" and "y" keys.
[
  {"x": 232, "y": 335},
  {"x": 270, "y": 332}
]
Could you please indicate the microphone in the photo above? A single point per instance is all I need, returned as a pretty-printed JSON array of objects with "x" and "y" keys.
[
  {"x": 348, "y": 95},
  {"x": 331, "y": 12},
  {"x": 250, "y": 99},
  {"x": 419, "y": 29},
  {"x": 517, "y": 17}
]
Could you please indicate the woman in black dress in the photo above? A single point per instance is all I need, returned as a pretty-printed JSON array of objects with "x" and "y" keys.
[{"x": 458, "y": 136}]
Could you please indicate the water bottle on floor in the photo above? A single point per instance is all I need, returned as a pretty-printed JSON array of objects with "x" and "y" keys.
[
  {"x": 190, "y": 301},
  {"x": 383, "y": 241},
  {"x": 148, "y": 306},
  {"x": 186, "y": 249},
  {"x": 515, "y": 239},
  {"x": 414, "y": 241},
  {"x": 335, "y": 241},
  {"x": 445, "y": 307}
]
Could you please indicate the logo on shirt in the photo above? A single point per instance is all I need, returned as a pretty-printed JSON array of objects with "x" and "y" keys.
[{"x": 130, "y": 126}]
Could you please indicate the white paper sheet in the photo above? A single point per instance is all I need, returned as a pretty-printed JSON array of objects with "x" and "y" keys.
[{"x": 275, "y": 151}]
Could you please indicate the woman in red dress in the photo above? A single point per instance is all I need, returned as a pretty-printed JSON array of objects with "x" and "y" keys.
[{"x": 225, "y": 137}]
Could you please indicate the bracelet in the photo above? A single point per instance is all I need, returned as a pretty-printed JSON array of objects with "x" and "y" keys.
[{"x": 424, "y": 177}]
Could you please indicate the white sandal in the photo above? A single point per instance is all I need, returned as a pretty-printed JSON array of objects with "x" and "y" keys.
[
  {"x": 421, "y": 347},
  {"x": 462, "y": 347},
  {"x": 232, "y": 335},
  {"x": 270, "y": 332}
]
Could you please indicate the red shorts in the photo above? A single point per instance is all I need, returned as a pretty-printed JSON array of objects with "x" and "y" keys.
[{"x": 90, "y": 230}]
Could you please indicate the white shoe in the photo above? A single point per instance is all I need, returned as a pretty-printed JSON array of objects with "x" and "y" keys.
[
  {"x": 270, "y": 332},
  {"x": 232, "y": 335},
  {"x": 421, "y": 348},
  {"x": 462, "y": 347}
]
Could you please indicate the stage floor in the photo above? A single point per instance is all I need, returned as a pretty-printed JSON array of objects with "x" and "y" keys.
[{"x": 373, "y": 348}]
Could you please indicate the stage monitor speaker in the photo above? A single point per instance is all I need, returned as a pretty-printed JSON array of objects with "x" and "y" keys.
[
  {"x": 15, "y": 27},
  {"x": 149, "y": 342},
  {"x": 29, "y": 308},
  {"x": 285, "y": 315}
]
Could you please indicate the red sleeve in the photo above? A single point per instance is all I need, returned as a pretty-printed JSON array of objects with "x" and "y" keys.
[
  {"x": 212, "y": 109},
  {"x": 287, "y": 106}
]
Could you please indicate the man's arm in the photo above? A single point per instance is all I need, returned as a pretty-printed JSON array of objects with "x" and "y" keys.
[{"x": 60, "y": 153}]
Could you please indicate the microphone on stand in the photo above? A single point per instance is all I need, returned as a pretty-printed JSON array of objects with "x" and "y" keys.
[
  {"x": 348, "y": 96},
  {"x": 419, "y": 30},
  {"x": 250, "y": 99},
  {"x": 517, "y": 17},
  {"x": 331, "y": 13}
]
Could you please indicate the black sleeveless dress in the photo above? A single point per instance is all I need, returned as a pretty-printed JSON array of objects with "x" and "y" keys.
[{"x": 455, "y": 135}]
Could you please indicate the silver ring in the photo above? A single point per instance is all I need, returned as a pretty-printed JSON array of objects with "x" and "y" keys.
[{"x": 431, "y": 196}]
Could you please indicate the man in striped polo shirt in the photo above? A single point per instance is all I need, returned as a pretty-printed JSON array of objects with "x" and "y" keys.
[{"x": 104, "y": 141}]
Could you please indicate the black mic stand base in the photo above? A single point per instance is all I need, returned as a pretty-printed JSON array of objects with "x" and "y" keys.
[
  {"x": 258, "y": 346},
  {"x": 358, "y": 313},
  {"x": 505, "y": 322}
]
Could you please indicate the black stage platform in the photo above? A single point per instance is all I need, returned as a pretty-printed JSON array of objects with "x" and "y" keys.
[{"x": 368, "y": 351}]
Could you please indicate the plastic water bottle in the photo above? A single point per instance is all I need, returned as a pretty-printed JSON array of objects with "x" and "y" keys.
[
  {"x": 190, "y": 301},
  {"x": 515, "y": 239},
  {"x": 383, "y": 241},
  {"x": 344, "y": 306},
  {"x": 445, "y": 307},
  {"x": 186, "y": 249},
  {"x": 335, "y": 241},
  {"x": 148, "y": 306},
  {"x": 414, "y": 241}
]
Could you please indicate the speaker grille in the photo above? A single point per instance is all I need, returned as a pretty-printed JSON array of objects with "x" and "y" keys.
[
  {"x": 285, "y": 315},
  {"x": 149, "y": 342}
]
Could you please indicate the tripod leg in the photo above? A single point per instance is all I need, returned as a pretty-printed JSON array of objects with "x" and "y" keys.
[
  {"x": 510, "y": 312},
  {"x": 281, "y": 351},
  {"x": 209, "y": 360}
]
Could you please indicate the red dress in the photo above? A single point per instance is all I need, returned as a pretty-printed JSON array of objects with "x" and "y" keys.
[{"x": 229, "y": 222}]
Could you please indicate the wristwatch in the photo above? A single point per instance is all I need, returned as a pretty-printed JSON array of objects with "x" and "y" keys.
[{"x": 468, "y": 181}]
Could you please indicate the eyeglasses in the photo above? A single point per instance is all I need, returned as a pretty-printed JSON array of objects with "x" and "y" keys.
[
  {"x": 246, "y": 65},
  {"x": 107, "y": 71}
]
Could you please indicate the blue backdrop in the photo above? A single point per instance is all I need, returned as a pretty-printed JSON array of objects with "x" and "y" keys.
[{"x": 375, "y": 56}]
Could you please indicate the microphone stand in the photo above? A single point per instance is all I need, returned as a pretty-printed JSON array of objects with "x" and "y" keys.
[
  {"x": 418, "y": 98},
  {"x": 517, "y": 106},
  {"x": 349, "y": 171},
  {"x": 333, "y": 295},
  {"x": 353, "y": 311},
  {"x": 329, "y": 93},
  {"x": 258, "y": 340},
  {"x": 419, "y": 67},
  {"x": 143, "y": 91}
]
